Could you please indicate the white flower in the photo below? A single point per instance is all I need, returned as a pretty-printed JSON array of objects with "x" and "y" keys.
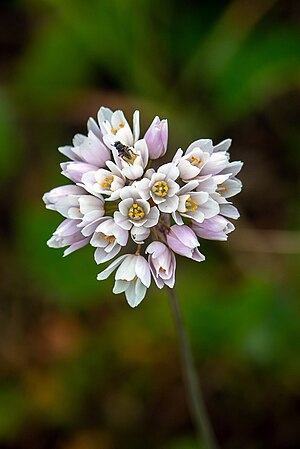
[
  {"x": 108, "y": 238},
  {"x": 114, "y": 126},
  {"x": 200, "y": 159},
  {"x": 104, "y": 182},
  {"x": 132, "y": 277},
  {"x": 132, "y": 161},
  {"x": 162, "y": 188},
  {"x": 195, "y": 205},
  {"x": 92, "y": 209},
  {"x": 136, "y": 214}
]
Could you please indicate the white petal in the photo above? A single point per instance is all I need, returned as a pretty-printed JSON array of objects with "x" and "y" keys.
[
  {"x": 102, "y": 256},
  {"x": 135, "y": 293},
  {"x": 152, "y": 217},
  {"x": 170, "y": 170},
  {"x": 223, "y": 146},
  {"x": 141, "y": 147},
  {"x": 126, "y": 270},
  {"x": 107, "y": 272},
  {"x": 120, "y": 286},
  {"x": 133, "y": 172},
  {"x": 170, "y": 205},
  {"x": 125, "y": 205},
  {"x": 143, "y": 271},
  {"x": 122, "y": 221},
  {"x": 136, "y": 125}
]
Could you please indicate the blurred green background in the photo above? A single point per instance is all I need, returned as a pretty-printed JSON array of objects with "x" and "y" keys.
[{"x": 79, "y": 369}]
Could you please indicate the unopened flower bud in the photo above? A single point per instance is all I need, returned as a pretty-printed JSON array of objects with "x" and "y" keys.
[{"x": 157, "y": 138}]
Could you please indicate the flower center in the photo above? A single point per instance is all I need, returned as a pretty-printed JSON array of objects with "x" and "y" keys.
[
  {"x": 115, "y": 130},
  {"x": 136, "y": 212},
  {"x": 160, "y": 188},
  {"x": 109, "y": 238},
  {"x": 191, "y": 205},
  {"x": 107, "y": 182},
  {"x": 221, "y": 188},
  {"x": 195, "y": 161}
]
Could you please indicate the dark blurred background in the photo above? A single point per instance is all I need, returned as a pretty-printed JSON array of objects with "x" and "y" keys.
[{"x": 79, "y": 369}]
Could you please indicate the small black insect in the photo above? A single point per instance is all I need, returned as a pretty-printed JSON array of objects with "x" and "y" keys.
[{"x": 125, "y": 152}]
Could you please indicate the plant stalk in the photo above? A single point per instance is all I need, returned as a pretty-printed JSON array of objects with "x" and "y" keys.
[{"x": 196, "y": 403}]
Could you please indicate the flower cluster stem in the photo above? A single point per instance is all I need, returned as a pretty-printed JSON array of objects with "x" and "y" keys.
[{"x": 194, "y": 394}]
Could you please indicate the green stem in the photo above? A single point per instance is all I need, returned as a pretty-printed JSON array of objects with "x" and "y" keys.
[{"x": 194, "y": 394}]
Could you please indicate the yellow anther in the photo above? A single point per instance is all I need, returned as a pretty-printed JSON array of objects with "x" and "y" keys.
[
  {"x": 136, "y": 212},
  {"x": 195, "y": 161},
  {"x": 221, "y": 188},
  {"x": 107, "y": 182},
  {"x": 115, "y": 130},
  {"x": 109, "y": 238},
  {"x": 160, "y": 188},
  {"x": 191, "y": 205}
]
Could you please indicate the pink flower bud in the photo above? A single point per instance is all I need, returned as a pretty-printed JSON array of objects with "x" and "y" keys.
[
  {"x": 157, "y": 138},
  {"x": 162, "y": 263},
  {"x": 215, "y": 228},
  {"x": 182, "y": 240}
]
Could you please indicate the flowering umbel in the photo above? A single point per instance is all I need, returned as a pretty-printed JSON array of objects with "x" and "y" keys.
[{"x": 117, "y": 197}]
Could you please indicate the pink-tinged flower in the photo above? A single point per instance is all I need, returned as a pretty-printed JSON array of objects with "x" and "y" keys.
[
  {"x": 161, "y": 188},
  {"x": 157, "y": 138},
  {"x": 136, "y": 214},
  {"x": 76, "y": 170},
  {"x": 87, "y": 149},
  {"x": 68, "y": 234},
  {"x": 108, "y": 238},
  {"x": 162, "y": 263},
  {"x": 132, "y": 277},
  {"x": 114, "y": 127},
  {"x": 65, "y": 200},
  {"x": 215, "y": 228},
  {"x": 182, "y": 240}
]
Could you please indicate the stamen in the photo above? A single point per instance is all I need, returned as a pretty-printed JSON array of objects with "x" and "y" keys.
[
  {"x": 107, "y": 182},
  {"x": 136, "y": 212},
  {"x": 191, "y": 205},
  {"x": 160, "y": 188},
  {"x": 115, "y": 130},
  {"x": 109, "y": 238},
  {"x": 195, "y": 161},
  {"x": 221, "y": 188}
]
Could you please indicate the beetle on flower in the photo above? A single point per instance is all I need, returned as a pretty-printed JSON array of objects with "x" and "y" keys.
[{"x": 118, "y": 197}]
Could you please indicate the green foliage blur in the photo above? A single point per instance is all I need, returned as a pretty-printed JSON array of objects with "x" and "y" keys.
[{"x": 79, "y": 369}]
